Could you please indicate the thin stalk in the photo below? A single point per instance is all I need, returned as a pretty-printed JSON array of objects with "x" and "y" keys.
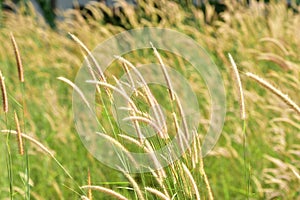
[
  {"x": 43, "y": 148},
  {"x": 247, "y": 164},
  {"x": 9, "y": 163},
  {"x": 105, "y": 190}
]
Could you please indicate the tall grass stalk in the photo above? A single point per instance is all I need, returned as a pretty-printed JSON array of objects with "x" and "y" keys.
[
  {"x": 41, "y": 146},
  {"x": 157, "y": 193},
  {"x": 192, "y": 180},
  {"x": 18, "y": 58},
  {"x": 164, "y": 70},
  {"x": 131, "y": 104},
  {"x": 285, "y": 98},
  {"x": 89, "y": 181},
  {"x": 116, "y": 143},
  {"x": 22, "y": 86},
  {"x": 201, "y": 166},
  {"x": 100, "y": 72},
  {"x": 8, "y": 156},
  {"x": 77, "y": 89},
  {"x": 135, "y": 186},
  {"x": 158, "y": 115},
  {"x": 4, "y": 94},
  {"x": 243, "y": 117},
  {"x": 110, "y": 192}
]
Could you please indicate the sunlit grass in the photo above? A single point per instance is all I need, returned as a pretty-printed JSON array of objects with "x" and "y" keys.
[{"x": 262, "y": 40}]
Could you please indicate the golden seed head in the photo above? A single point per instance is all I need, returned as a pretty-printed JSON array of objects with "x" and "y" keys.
[
  {"x": 240, "y": 88},
  {"x": 90, "y": 196},
  {"x": 4, "y": 94},
  {"x": 18, "y": 58},
  {"x": 285, "y": 98}
]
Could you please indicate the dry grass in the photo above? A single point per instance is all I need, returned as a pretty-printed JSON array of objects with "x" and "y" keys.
[
  {"x": 240, "y": 88},
  {"x": 105, "y": 190},
  {"x": 157, "y": 193},
  {"x": 18, "y": 58},
  {"x": 275, "y": 91},
  {"x": 4, "y": 94},
  {"x": 89, "y": 182},
  {"x": 249, "y": 34},
  {"x": 192, "y": 181},
  {"x": 31, "y": 139}
]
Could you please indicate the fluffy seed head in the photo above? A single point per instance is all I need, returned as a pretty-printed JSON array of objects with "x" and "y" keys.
[
  {"x": 4, "y": 94},
  {"x": 90, "y": 196},
  {"x": 18, "y": 58},
  {"x": 240, "y": 88},
  {"x": 274, "y": 90}
]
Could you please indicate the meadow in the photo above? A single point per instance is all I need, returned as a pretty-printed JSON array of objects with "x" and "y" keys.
[{"x": 257, "y": 155}]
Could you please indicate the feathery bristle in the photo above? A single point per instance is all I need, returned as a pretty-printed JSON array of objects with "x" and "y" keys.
[
  {"x": 134, "y": 185},
  {"x": 106, "y": 191},
  {"x": 18, "y": 58},
  {"x": 192, "y": 180},
  {"x": 202, "y": 171},
  {"x": 240, "y": 88},
  {"x": 157, "y": 193},
  {"x": 166, "y": 75},
  {"x": 4, "y": 94},
  {"x": 89, "y": 181},
  {"x": 82, "y": 45},
  {"x": 275, "y": 91},
  {"x": 158, "y": 115}
]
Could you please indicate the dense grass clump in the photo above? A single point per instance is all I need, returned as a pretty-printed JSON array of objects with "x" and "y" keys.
[{"x": 257, "y": 156}]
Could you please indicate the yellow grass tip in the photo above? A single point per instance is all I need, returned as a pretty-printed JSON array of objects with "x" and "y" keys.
[
  {"x": 18, "y": 58},
  {"x": 4, "y": 94}
]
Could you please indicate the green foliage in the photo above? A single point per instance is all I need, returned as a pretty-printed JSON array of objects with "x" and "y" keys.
[{"x": 272, "y": 128}]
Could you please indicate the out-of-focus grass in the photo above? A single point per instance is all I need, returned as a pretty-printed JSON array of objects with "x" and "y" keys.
[{"x": 247, "y": 33}]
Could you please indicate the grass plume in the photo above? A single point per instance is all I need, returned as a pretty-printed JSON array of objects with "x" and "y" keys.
[
  {"x": 157, "y": 193},
  {"x": 82, "y": 45},
  {"x": 166, "y": 75},
  {"x": 4, "y": 94},
  {"x": 105, "y": 190},
  {"x": 192, "y": 180},
  {"x": 135, "y": 185},
  {"x": 240, "y": 88},
  {"x": 18, "y": 58},
  {"x": 89, "y": 181},
  {"x": 275, "y": 91}
]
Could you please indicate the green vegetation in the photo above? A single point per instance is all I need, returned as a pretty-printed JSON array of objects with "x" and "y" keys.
[{"x": 255, "y": 158}]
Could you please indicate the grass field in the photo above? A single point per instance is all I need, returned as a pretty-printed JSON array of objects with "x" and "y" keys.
[{"x": 255, "y": 158}]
